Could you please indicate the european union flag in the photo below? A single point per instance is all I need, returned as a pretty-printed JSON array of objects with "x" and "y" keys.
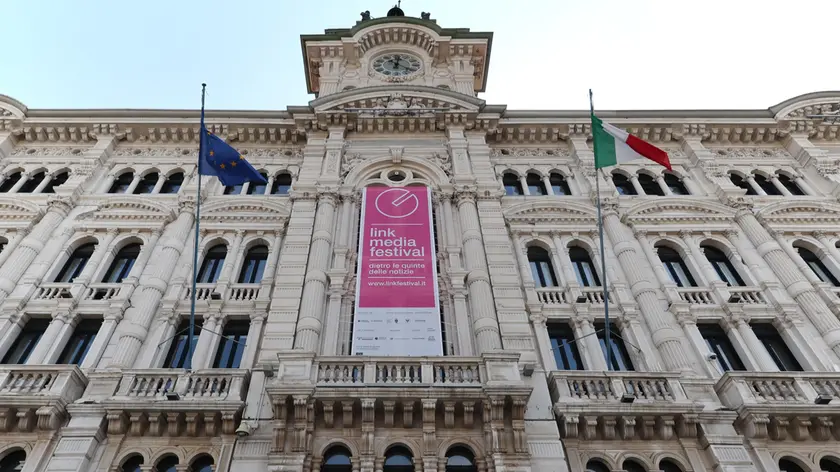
[{"x": 220, "y": 159}]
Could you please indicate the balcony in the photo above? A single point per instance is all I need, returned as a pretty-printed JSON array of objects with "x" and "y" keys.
[
  {"x": 420, "y": 372},
  {"x": 242, "y": 292},
  {"x": 778, "y": 405},
  {"x": 746, "y": 296},
  {"x": 696, "y": 295},
  {"x": 102, "y": 292},
  {"x": 174, "y": 401},
  {"x": 53, "y": 291},
  {"x": 609, "y": 405},
  {"x": 37, "y": 395}
]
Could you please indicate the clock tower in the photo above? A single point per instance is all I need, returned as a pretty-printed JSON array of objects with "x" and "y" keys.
[{"x": 396, "y": 49}]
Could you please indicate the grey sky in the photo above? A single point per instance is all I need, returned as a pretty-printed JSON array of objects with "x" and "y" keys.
[{"x": 546, "y": 54}]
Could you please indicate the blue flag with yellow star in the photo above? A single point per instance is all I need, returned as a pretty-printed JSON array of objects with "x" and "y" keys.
[{"x": 218, "y": 158}]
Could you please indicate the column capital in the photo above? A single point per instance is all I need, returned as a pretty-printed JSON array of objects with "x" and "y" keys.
[
  {"x": 538, "y": 319},
  {"x": 639, "y": 233},
  {"x": 465, "y": 195},
  {"x": 820, "y": 234},
  {"x": 685, "y": 234},
  {"x": 731, "y": 233},
  {"x": 740, "y": 204},
  {"x": 60, "y": 204},
  {"x": 555, "y": 234}
]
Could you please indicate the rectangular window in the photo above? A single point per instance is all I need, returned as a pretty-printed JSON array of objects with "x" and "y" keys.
[
  {"x": 620, "y": 358},
  {"x": 26, "y": 341},
  {"x": 679, "y": 274},
  {"x": 179, "y": 349},
  {"x": 718, "y": 343},
  {"x": 232, "y": 344},
  {"x": 776, "y": 347},
  {"x": 564, "y": 347},
  {"x": 79, "y": 344}
]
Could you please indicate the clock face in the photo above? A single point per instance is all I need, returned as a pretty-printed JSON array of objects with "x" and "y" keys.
[{"x": 396, "y": 65}]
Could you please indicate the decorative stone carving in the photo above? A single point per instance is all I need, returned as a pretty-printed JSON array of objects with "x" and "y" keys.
[
  {"x": 529, "y": 152},
  {"x": 751, "y": 153},
  {"x": 64, "y": 151}
]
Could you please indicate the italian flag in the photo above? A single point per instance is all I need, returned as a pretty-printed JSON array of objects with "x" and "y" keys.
[{"x": 614, "y": 146}]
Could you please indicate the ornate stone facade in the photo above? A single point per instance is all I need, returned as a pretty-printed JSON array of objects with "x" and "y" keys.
[{"x": 722, "y": 282}]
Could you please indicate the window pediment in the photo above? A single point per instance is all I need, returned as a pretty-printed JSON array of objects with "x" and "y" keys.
[
  {"x": 254, "y": 210},
  {"x": 128, "y": 212},
  {"x": 801, "y": 213},
  {"x": 550, "y": 213},
  {"x": 678, "y": 211},
  {"x": 18, "y": 210},
  {"x": 390, "y": 100}
]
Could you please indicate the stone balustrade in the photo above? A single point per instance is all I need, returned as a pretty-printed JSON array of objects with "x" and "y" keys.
[
  {"x": 202, "y": 291},
  {"x": 552, "y": 295},
  {"x": 696, "y": 295},
  {"x": 242, "y": 292},
  {"x": 585, "y": 386},
  {"x": 746, "y": 296},
  {"x": 102, "y": 291},
  {"x": 390, "y": 371},
  {"x": 53, "y": 291},
  {"x": 227, "y": 384},
  {"x": 38, "y": 395}
]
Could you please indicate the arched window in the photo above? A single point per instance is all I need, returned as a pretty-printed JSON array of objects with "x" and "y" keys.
[
  {"x": 536, "y": 186},
  {"x": 80, "y": 342},
  {"x": 675, "y": 266},
  {"x": 584, "y": 269},
  {"x": 253, "y": 265},
  {"x": 33, "y": 183},
  {"x": 76, "y": 263},
  {"x": 790, "y": 185},
  {"x": 513, "y": 186},
  {"x": 147, "y": 183},
  {"x": 460, "y": 459},
  {"x": 632, "y": 466},
  {"x": 122, "y": 264},
  {"x": 13, "y": 462},
  {"x": 10, "y": 182},
  {"x": 167, "y": 464},
  {"x": 132, "y": 464},
  {"x": 739, "y": 182},
  {"x": 650, "y": 185},
  {"x": 788, "y": 465},
  {"x": 234, "y": 189},
  {"x": 258, "y": 188},
  {"x": 817, "y": 266},
  {"x": 202, "y": 463},
  {"x": 122, "y": 182},
  {"x": 559, "y": 184},
  {"x": 282, "y": 184},
  {"x": 675, "y": 184},
  {"x": 173, "y": 183},
  {"x": 398, "y": 459},
  {"x": 57, "y": 181},
  {"x": 623, "y": 184},
  {"x": 212, "y": 265},
  {"x": 594, "y": 465},
  {"x": 830, "y": 464},
  {"x": 766, "y": 185},
  {"x": 667, "y": 465},
  {"x": 541, "y": 268},
  {"x": 337, "y": 459},
  {"x": 722, "y": 266}
]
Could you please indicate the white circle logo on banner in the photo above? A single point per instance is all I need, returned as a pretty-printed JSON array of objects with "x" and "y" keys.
[{"x": 399, "y": 203}]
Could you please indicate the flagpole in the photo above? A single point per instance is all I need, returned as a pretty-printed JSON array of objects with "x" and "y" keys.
[
  {"x": 607, "y": 330},
  {"x": 197, "y": 224}
]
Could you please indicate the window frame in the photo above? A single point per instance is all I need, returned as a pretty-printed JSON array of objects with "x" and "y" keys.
[
  {"x": 580, "y": 267},
  {"x": 564, "y": 346},
  {"x": 719, "y": 343}
]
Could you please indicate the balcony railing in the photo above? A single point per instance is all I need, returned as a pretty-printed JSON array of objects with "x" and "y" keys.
[
  {"x": 746, "y": 295},
  {"x": 552, "y": 295},
  {"x": 593, "y": 294},
  {"x": 745, "y": 389},
  {"x": 583, "y": 386},
  {"x": 215, "y": 384},
  {"x": 358, "y": 371},
  {"x": 102, "y": 292},
  {"x": 696, "y": 295},
  {"x": 202, "y": 291},
  {"x": 53, "y": 291},
  {"x": 243, "y": 292},
  {"x": 60, "y": 381}
]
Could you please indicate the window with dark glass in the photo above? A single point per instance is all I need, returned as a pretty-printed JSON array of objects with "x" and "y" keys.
[
  {"x": 176, "y": 358},
  {"x": 173, "y": 183},
  {"x": 620, "y": 358},
  {"x": 254, "y": 265},
  {"x": 817, "y": 266},
  {"x": 460, "y": 459},
  {"x": 632, "y": 466},
  {"x": 675, "y": 184},
  {"x": 828, "y": 464},
  {"x": 13, "y": 461},
  {"x": 211, "y": 268},
  {"x": 258, "y": 188},
  {"x": 790, "y": 185},
  {"x": 337, "y": 459},
  {"x": 26, "y": 341},
  {"x": 167, "y": 464},
  {"x": 76, "y": 263},
  {"x": 594, "y": 465},
  {"x": 718, "y": 343},
  {"x": 739, "y": 182},
  {"x": 122, "y": 264},
  {"x": 132, "y": 464},
  {"x": 766, "y": 185},
  {"x": 541, "y": 268},
  {"x": 234, "y": 189},
  {"x": 623, "y": 184},
  {"x": 725, "y": 270},
  {"x": 122, "y": 182},
  {"x": 667, "y": 465},
  {"x": 584, "y": 269},
  {"x": 559, "y": 184},
  {"x": 79, "y": 344},
  {"x": 398, "y": 459},
  {"x": 650, "y": 185},
  {"x": 675, "y": 266},
  {"x": 10, "y": 182},
  {"x": 776, "y": 347},
  {"x": 788, "y": 465},
  {"x": 33, "y": 183},
  {"x": 536, "y": 186},
  {"x": 202, "y": 463},
  {"x": 147, "y": 183},
  {"x": 57, "y": 181},
  {"x": 232, "y": 344},
  {"x": 282, "y": 184},
  {"x": 564, "y": 347},
  {"x": 513, "y": 186}
]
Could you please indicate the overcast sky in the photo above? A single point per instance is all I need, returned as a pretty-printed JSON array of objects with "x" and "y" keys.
[{"x": 675, "y": 54}]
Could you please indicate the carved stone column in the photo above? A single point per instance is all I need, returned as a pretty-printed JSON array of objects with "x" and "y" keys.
[
  {"x": 49, "y": 338},
  {"x": 96, "y": 258},
  {"x": 231, "y": 261},
  {"x": 208, "y": 335},
  {"x": 12, "y": 243}
]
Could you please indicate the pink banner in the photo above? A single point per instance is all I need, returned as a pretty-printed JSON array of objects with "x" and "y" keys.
[{"x": 397, "y": 307}]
